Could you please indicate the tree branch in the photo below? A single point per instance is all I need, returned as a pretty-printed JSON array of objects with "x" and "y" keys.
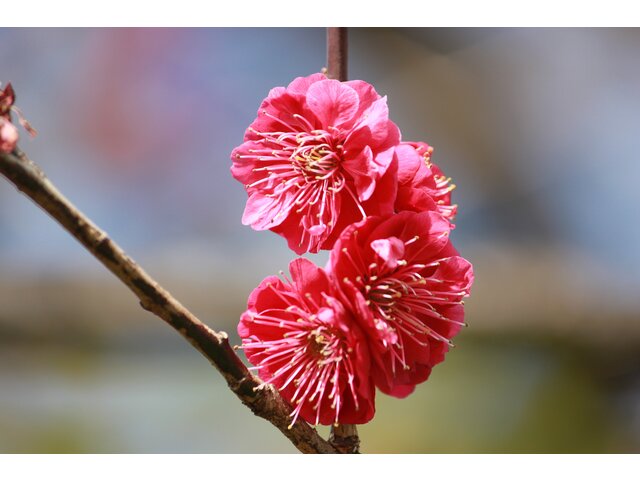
[
  {"x": 337, "y": 53},
  {"x": 262, "y": 399},
  {"x": 343, "y": 437}
]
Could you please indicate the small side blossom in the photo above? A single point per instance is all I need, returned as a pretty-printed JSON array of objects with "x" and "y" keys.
[
  {"x": 407, "y": 283},
  {"x": 8, "y": 132},
  {"x": 421, "y": 184},
  {"x": 319, "y": 156},
  {"x": 303, "y": 341}
]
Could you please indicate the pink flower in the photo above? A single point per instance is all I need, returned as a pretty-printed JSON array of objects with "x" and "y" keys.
[
  {"x": 406, "y": 282},
  {"x": 421, "y": 184},
  {"x": 8, "y": 136},
  {"x": 8, "y": 132},
  {"x": 319, "y": 156},
  {"x": 304, "y": 342}
]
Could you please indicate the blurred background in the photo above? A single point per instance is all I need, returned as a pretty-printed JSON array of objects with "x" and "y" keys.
[{"x": 537, "y": 127}]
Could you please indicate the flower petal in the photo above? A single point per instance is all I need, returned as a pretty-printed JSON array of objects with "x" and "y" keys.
[
  {"x": 379, "y": 131},
  {"x": 8, "y": 136},
  {"x": 333, "y": 102},
  {"x": 262, "y": 212},
  {"x": 389, "y": 249},
  {"x": 300, "y": 85}
]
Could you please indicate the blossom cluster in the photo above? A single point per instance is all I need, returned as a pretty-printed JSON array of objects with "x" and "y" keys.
[{"x": 325, "y": 168}]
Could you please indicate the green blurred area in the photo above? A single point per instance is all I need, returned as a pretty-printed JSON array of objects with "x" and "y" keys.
[
  {"x": 499, "y": 398},
  {"x": 505, "y": 395}
]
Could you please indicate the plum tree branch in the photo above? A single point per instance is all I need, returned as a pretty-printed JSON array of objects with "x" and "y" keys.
[
  {"x": 345, "y": 438},
  {"x": 263, "y": 400},
  {"x": 337, "y": 50}
]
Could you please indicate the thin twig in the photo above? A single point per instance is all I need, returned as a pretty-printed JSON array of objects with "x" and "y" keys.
[
  {"x": 262, "y": 399},
  {"x": 343, "y": 437},
  {"x": 337, "y": 53}
]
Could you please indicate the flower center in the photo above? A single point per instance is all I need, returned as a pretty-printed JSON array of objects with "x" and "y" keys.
[
  {"x": 320, "y": 345},
  {"x": 386, "y": 293},
  {"x": 316, "y": 161}
]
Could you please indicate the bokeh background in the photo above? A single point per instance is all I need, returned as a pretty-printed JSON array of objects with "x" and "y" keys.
[{"x": 539, "y": 129}]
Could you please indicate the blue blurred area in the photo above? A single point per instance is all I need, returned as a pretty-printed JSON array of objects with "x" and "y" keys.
[
  {"x": 537, "y": 127},
  {"x": 136, "y": 126}
]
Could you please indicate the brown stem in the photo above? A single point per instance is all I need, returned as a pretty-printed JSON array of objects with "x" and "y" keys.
[
  {"x": 337, "y": 53},
  {"x": 263, "y": 400},
  {"x": 345, "y": 438}
]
